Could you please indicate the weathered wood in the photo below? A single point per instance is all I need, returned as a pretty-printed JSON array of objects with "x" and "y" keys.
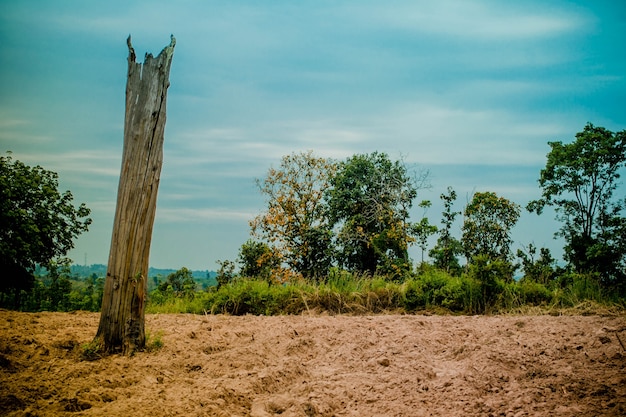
[{"x": 123, "y": 305}]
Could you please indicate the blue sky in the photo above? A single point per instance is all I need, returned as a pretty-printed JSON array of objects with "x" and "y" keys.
[{"x": 470, "y": 90}]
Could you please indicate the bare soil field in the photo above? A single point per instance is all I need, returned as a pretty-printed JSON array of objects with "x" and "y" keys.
[{"x": 319, "y": 365}]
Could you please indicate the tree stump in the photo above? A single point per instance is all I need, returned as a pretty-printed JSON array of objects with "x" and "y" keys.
[{"x": 122, "y": 318}]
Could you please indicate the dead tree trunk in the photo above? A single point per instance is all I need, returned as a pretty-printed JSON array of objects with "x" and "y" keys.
[{"x": 122, "y": 316}]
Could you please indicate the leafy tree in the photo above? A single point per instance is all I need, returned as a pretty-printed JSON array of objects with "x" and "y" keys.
[
  {"x": 226, "y": 273},
  {"x": 539, "y": 270},
  {"x": 295, "y": 222},
  {"x": 37, "y": 223},
  {"x": 59, "y": 288},
  {"x": 423, "y": 230},
  {"x": 92, "y": 297},
  {"x": 257, "y": 259},
  {"x": 489, "y": 272},
  {"x": 446, "y": 250},
  {"x": 369, "y": 201},
  {"x": 487, "y": 227},
  {"x": 179, "y": 283},
  {"x": 579, "y": 180}
]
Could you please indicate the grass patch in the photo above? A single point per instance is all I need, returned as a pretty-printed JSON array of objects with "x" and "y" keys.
[
  {"x": 91, "y": 351},
  {"x": 343, "y": 292},
  {"x": 154, "y": 341}
]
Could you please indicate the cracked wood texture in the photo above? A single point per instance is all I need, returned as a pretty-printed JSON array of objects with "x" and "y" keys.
[{"x": 122, "y": 318}]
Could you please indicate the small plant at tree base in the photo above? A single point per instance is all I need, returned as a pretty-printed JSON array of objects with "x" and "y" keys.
[
  {"x": 90, "y": 351},
  {"x": 154, "y": 342}
]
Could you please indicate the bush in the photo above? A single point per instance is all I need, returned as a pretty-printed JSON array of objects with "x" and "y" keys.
[
  {"x": 576, "y": 288},
  {"x": 347, "y": 293},
  {"x": 490, "y": 274},
  {"x": 414, "y": 297},
  {"x": 534, "y": 293}
]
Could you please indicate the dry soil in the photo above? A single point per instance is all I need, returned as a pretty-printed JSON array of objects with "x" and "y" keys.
[{"x": 385, "y": 365}]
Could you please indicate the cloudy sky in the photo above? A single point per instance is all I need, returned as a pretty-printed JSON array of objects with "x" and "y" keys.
[{"x": 470, "y": 90}]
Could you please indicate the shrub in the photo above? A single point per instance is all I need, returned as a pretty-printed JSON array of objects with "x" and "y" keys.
[
  {"x": 414, "y": 298},
  {"x": 576, "y": 288},
  {"x": 490, "y": 274},
  {"x": 534, "y": 293}
]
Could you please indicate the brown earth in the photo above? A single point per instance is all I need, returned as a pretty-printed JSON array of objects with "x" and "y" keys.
[{"x": 387, "y": 365}]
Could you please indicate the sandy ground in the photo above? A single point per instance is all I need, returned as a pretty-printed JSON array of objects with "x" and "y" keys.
[{"x": 389, "y": 365}]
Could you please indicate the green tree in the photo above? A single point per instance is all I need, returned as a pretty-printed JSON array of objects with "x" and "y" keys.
[
  {"x": 295, "y": 223},
  {"x": 539, "y": 270},
  {"x": 369, "y": 202},
  {"x": 226, "y": 273},
  {"x": 37, "y": 223},
  {"x": 579, "y": 181},
  {"x": 423, "y": 230},
  {"x": 179, "y": 283},
  {"x": 490, "y": 274},
  {"x": 446, "y": 250},
  {"x": 487, "y": 227},
  {"x": 59, "y": 288},
  {"x": 257, "y": 259}
]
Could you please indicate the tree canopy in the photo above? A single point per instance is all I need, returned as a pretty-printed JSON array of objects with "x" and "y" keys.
[
  {"x": 37, "y": 223},
  {"x": 446, "y": 250},
  {"x": 370, "y": 200},
  {"x": 487, "y": 226},
  {"x": 579, "y": 180},
  {"x": 295, "y": 222}
]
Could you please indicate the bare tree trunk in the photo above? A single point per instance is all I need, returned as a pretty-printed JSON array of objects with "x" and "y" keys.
[{"x": 122, "y": 317}]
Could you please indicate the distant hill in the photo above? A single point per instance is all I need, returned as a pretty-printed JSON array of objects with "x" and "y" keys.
[
  {"x": 203, "y": 278},
  {"x": 101, "y": 270}
]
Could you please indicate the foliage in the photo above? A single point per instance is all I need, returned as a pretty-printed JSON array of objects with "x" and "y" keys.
[
  {"x": 179, "y": 283},
  {"x": 540, "y": 270},
  {"x": 343, "y": 292},
  {"x": 487, "y": 227},
  {"x": 257, "y": 260},
  {"x": 423, "y": 230},
  {"x": 369, "y": 201},
  {"x": 226, "y": 273},
  {"x": 446, "y": 250},
  {"x": 57, "y": 290},
  {"x": 491, "y": 274},
  {"x": 295, "y": 222},
  {"x": 37, "y": 223},
  {"x": 579, "y": 180},
  {"x": 575, "y": 288},
  {"x": 483, "y": 289},
  {"x": 435, "y": 289},
  {"x": 154, "y": 341},
  {"x": 534, "y": 293}
]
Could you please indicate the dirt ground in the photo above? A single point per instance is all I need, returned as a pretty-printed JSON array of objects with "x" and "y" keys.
[{"x": 387, "y": 365}]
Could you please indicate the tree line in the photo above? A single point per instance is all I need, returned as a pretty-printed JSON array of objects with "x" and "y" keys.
[
  {"x": 354, "y": 214},
  {"x": 324, "y": 216}
]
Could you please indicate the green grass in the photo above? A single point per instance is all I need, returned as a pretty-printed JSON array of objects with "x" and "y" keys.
[{"x": 346, "y": 293}]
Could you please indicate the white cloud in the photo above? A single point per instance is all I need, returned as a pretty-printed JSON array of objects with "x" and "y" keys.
[
  {"x": 441, "y": 135},
  {"x": 189, "y": 215},
  {"x": 478, "y": 20},
  {"x": 85, "y": 161}
]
